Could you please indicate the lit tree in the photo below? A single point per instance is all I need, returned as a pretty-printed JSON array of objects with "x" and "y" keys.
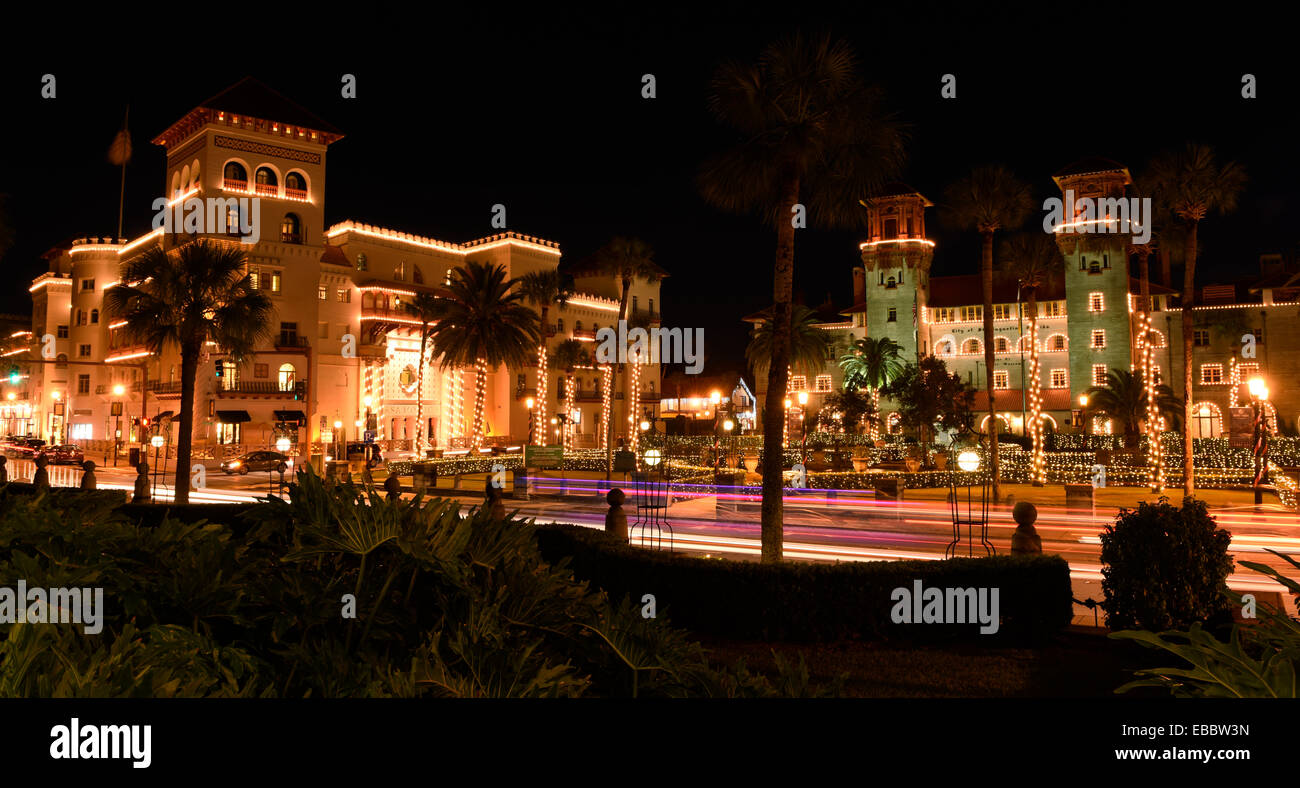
[
  {"x": 813, "y": 140},
  {"x": 483, "y": 323},
  {"x": 545, "y": 288},
  {"x": 873, "y": 364},
  {"x": 1124, "y": 399},
  {"x": 569, "y": 355},
  {"x": 1033, "y": 258},
  {"x": 1191, "y": 183},
  {"x": 423, "y": 307},
  {"x": 990, "y": 199},
  {"x": 198, "y": 292}
]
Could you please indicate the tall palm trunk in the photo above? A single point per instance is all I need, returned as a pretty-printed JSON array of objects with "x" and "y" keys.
[
  {"x": 543, "y": 385},
  {"x": 986, "y": 274},
  {"x": 480, "y": 390},
  {"x": 185, "y": 441},
  {"x": 1189, "y": 299},
  {"x": 778, "y": 374},
  {"x": 1038, "y": 474},
  {"x": 419, "y": 392},
  {"x": 622, "y": 370},
  {"x": 1155, "y": 452}
]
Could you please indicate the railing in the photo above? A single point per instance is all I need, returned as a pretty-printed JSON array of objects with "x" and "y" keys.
[
  {"x": 268, "y": 190},
  {"x": 163, "y": 386},
  {"x": 255, "y": 387},
  {"x": 290, "y": 238},
  {"x": 587, "y": 396},
  {"x": 234, "y": 185},
  {"x": 295, "y": 194},
  {"x": 290, "y": 342},
  {"x": 584, "y": 333},
  {"x": 398, "y": 313}
]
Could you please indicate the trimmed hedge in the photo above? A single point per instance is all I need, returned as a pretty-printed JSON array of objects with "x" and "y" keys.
[{"x": 810, "y": 602}]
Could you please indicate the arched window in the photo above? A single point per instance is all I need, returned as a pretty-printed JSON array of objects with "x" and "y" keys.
[
  {"x": 234, "y": 177},
  {"x": 972, "y": 345},
  {"x": 295, "y": 185},
  {"x": 1207, "y": 420},
  {"x": 1157, "y": 338},
  {"x": 417, "y": 276},
  {"x": 1026, "y": 342},
  {"x": 559, "y": 324},
  {"x": 266, "y": 181},
  {"x": 288, "y": 376},
  {"x": 361, "y": 262},
  {"x": 1056, "y": 342},
  {"x": 291, "y": 229},
  {"x": 232, "y": 221},
  {"x": 399, "y": 273},
  {"x": 893, "y": 424},
  {"x": 946, "y": 347},
  {"x": 94, "y": 317},
  {"x": 577, "y": 325}
]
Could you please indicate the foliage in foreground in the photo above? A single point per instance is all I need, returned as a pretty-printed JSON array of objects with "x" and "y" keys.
[
  {"x": 1258, "y": 661},
  {"x": 446, "y": 606}
]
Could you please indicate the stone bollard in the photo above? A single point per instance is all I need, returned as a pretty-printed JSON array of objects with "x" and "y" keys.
[
  {"x": 88, "y": 480},
  {"x": 42, "y": 476},
  {"x": 1025, "y": 540},
  {"x": 492, "y": 499},
  {"x": 4, "y": 472},
  {"x": 616, "y": 519},
  {"x": 140, "y": 494}
]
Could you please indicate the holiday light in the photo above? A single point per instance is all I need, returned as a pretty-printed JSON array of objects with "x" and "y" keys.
[
  {"x": 542, "y": 388},
  {"x": 606, "y": 401},
  {"x": 634, "y": 402},
  {"x": 1037, "y": 473},
  {"x": 480, "y": 396},
  {"x": 570, "y": 395}
]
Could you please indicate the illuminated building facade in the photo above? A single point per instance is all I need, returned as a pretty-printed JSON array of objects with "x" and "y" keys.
[{"x": 343, "y": 350}]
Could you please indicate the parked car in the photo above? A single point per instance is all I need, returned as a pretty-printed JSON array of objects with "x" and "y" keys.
[
  {"x": 256, "y": 461},
  {"x": 22, "y": 448},
  {"x": 65, "y": 454}
]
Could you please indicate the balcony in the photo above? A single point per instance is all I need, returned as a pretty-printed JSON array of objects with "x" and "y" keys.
[
  {"x": 291, "y": 238},
  {"x": 268, "y": 190},
  {"x": 390, "y": 313},
  {"x": 291, "y": 343},
  {"x": 163, "y": 387},
  {"x": 261, "y": 388},
  {"x": 587, "y": 396},
  {"x": 588, "y": 334},
  {"x": 295, "y": 194},
  {"x": 372, "y": 351},
  {"x": 234, "y": 185}
]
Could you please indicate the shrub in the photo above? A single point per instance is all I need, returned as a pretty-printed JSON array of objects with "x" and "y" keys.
[
  {"x": 1164, "y": 567},
  {"x": 809, "y": 602}
]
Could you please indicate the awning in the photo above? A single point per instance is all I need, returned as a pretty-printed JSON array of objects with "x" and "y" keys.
[
  {"x": 291, "y": 417},
  {"x": 233, "y": 416},
  {"x": 166, "y": 414}
]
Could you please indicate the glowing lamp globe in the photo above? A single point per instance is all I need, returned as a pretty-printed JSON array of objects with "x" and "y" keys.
[
  {"x": 157, "y": 441},
  {"x": 652, "y": 457},
  {"x": 968, "y": 460},
  {"x": 282, "y": 445},
  {"x": 728, "y": 425},
  {"x": 645, "y": 425},
  {"x": 528, "y": 403},
  {"x": 803, "y": 398},
  {"x": 119, "y": 390}
]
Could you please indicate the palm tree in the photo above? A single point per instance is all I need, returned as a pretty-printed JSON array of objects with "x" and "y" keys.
[
  {"x": 809, "y": 345},
  {"x": 991, "y": 198},
  {"x": 1124, "y": 399},
  {"x": 813, "y": 140},
  {"x": 425, "y": 307},
  {"x": 873, "y": 364},
  {"x": 1033, "y": 258},
  {"x": 482, "y": 322},
  {"x": 545, "y": 288},
  {"x": 629, "y": 259},
  {"x": 199, "y": 292},
  {"x": 1191, "y": 183},
  {"x": 569, "y": 355}
]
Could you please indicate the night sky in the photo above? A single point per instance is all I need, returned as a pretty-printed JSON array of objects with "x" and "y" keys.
[{"x": 542, "y": 111}]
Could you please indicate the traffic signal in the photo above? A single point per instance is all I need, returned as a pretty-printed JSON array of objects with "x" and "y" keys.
[
  {"x": 220, "y": 368},
  {"x": 299, "y": 390},
  {"x": 14, "y": 376}
]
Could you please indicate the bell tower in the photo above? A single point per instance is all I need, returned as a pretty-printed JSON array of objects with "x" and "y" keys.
[
  {"x": 1094, "y": 233},
  {"x": 895, "y": 271}
]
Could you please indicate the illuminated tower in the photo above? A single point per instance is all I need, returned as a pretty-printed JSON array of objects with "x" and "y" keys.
[
  {"x": 895, "y": 273},
  {"x": 1094, "y": 237}
]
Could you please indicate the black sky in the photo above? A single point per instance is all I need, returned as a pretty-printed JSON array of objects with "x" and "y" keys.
[{"x": 541, "y": 110}]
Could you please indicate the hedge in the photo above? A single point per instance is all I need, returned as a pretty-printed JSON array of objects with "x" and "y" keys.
[{"x": 811, "y": 602}]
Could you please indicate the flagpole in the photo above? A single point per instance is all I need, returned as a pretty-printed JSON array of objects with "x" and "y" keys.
[{"x": 121, "y": 197}]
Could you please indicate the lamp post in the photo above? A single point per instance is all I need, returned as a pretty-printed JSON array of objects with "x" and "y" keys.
[
  {"x": 785, "y": 434},
  {"x": 1259, "y": 396},
  {"x": 281, "y": 445},
  {"x": 338, "y": 432},
  {"x": 157, "y": 441},
  {"x": 118, "y": 391},
  {"x": 716, "y": 399},
  {"x": 803, "y": 428},
  {"x": 529, "y": 403}
]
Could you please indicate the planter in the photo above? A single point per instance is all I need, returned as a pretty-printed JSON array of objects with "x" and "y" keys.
[
  {"x": 751, "y": 464},
  {"x": 941, "y": 462},
  {"x": 861, "y": 464}
]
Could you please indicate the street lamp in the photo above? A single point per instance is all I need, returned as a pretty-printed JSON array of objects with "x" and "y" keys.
[
  {"x": 803, "y": 427},
  {"x": 118, "y": 391},
  {"x": 157, "y": 441},
  {"x": 968, "y": 461},
  {"x": 529, "y": 403},
  {"x": 1258, "y": 396}
]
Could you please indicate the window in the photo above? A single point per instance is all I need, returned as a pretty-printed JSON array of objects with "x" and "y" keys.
[
  {"x": 972, "y": 313},
  {"x": 259, "y": 371},
  {"x": 652, "y": 306},
  {"x": 945, "y": 348},
  {"x": 893, "y": 315},
  {"x": 229, "y": 376},
  {"x": 87, "y": 285},
  {"x": 288, "y": 376},
  {"x": 1259, "y": 335},
  {"x": 83, "y": 384},
  {"x": 399, "y": 273},
  {"x": 634, "y": 305},
  {"x": 1059, "y": 380},
  {"x": 361, "y": 262},
  {"x": 1247, "y": 371},
  {"x": 798, "y": 383},
  {"x": 83, "y": 351},
  {"x": 324, "y": 332},
  {"x": 267, "y": 182},
  {"x": 235, "y": 177},
  {"x": 1001, "y": 379},
  {"x": 80, "y": 432},
  {"x": 62, "y": 332},
  {"x": 1001, "y": 345},
  {"x": 972, "y": 345},
  {"x": 1211, "y": 374},
  {"x": 322, "y": 293},
  {"x": 344, "y": 296},
  {"x": 1054, "y": 308},
  {"x": 94, "y": 317},
  {"x": 255, "y": 278},
  {"x": 1201, "y": 338},
  {"x": 417, "y": 275},
  {"x": 344, "y": 330},
  {"x": 1002, "y": 312},
  {"x": 823, "y": 383},
  {"x": 275, "y": 281},
  {"x": 1096, "y": 302},
  {"x": 232, "y": 221},
  {"x": 291, "y": 229},
  {"x": 81, "y": 318},
  {"x": 1098, "y": 338},
  {"x": 1098, "y": 374},
  {"x": 1156, "y": 338},
  {"x": 1057, "y": 342},
  {"x": 945, "y": 315},
  {"x": 295, "y": 185},
  {"x": 288, "y": 334}
]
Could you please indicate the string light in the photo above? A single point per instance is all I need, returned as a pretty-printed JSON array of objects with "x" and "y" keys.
[
  {"x": 480, "y": 395},
  {"x": 542, "y": 389},
  {"x": 1154, "y": 421},
  {"x": 569, "y": 397},
  {"x": 634, "y": 402},
  {"x": 1037, "y": 469},
  {"x": 606, "y": 400}
]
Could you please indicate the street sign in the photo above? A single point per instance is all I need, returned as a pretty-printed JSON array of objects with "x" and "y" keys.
[
  {"x": 368, "y": 436},
  {"x": 116, "y": 409},
  {"x": 1241, "y": 427},
  {"x": 543, "y": 456}
]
